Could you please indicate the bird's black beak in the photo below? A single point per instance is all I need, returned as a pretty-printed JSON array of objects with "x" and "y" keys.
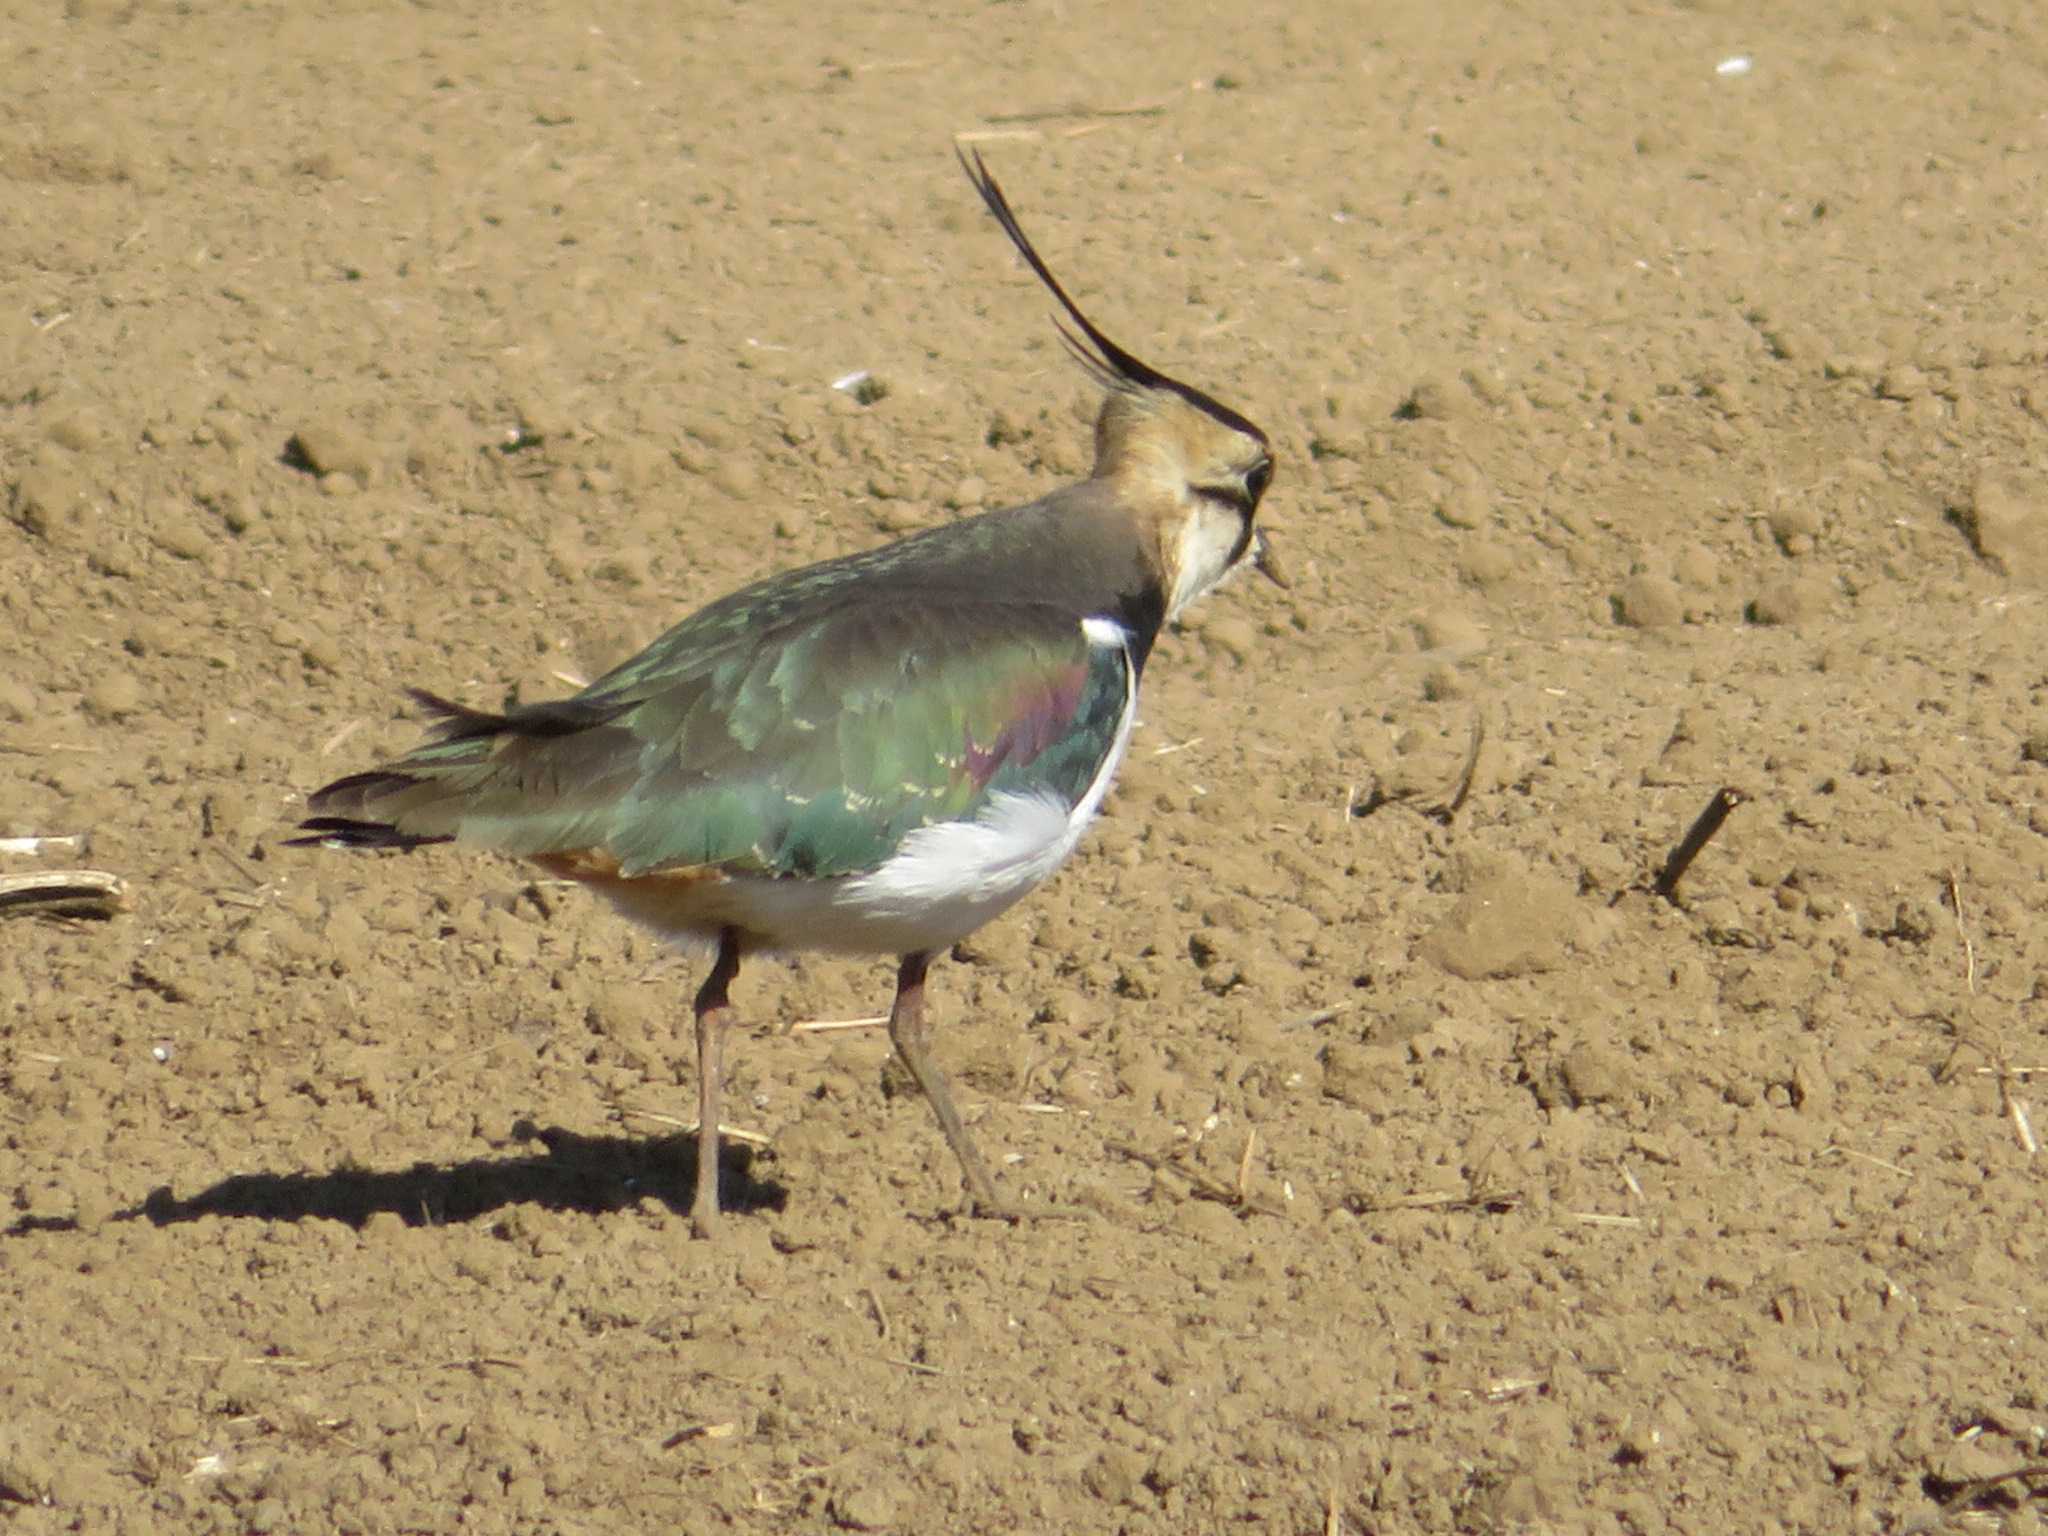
[{"x": 1266, "y": 563}]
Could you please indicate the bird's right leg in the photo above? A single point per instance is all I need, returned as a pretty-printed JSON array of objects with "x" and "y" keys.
[
  {"x": 911, "y": 1034},
  {"x": 714, "y": 1010}
]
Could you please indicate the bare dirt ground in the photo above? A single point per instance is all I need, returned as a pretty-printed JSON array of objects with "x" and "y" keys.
[{"x": 1672, "y": 426}]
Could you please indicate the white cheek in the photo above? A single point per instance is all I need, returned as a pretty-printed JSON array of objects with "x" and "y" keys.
[{"x": 1202, "y": 554}]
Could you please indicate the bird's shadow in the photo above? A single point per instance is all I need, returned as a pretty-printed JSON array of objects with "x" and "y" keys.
[{"x": 590, "y": 1174}]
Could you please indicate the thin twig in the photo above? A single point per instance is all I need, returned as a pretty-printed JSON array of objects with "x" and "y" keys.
[
  {"x": 721, "y": 1431},
  {"x": 2009, "y": 1103},
  {"x": 1200, "y": 1185},
  {"x": 1955, "y": 902},
  {"x": 689, "y": 1127},
  {"x": 1480, "y": 1199},
  {"x": 32, "y": 847},
  {"x": 1320, "y": 1017},
  {"x": 1697, "y": 836},
  {"x": 1904, "y": 1173},
  {"x": 1151, "y": 108},
  {"x": 828, "y": 1026}
]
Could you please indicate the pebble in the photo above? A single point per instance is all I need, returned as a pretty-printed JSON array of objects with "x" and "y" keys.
[
  {"x": 1448, "y": 629},
  {"x": 51, "y": 503},
  {"x": 335, "y": 448},
  {"x": 2005, "y": 525},
  {"x": 1790, "y": 601},
  {"x": 1696, "y": 567},
  {"x": 1465, "y": 505},
  {"x": 1486, "y": 565},
  {"x": 178, "y": 533},
  {"x": 1362, "y": 1076},
  {"x": 540, "y": 417},
  {"x": 114, "y": 696},
  {"x": 1795, "y": 524},
  {"x": 81, "y": 431},
  {"x": 1902, "y": 382},
  {"x": 1596, "y": 1074},
  {"x": 1114, "y": 1474},
  {"x": 1430, "y": 400},
  {"x": 1646, "y": 601},
  {"x": 865, "y": 1509},
  {"x": 1510, "y": 921},
  {"x": 736, "y": 477}
]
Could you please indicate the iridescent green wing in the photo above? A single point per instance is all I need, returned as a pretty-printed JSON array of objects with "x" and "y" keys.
[{"x": 808, "y": 749}]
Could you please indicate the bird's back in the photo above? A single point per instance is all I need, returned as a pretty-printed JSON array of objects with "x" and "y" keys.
[{"x": 805, "y": 725}]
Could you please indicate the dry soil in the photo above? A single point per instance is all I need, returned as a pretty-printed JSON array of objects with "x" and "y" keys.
[{"x": 1658, "y": 399}]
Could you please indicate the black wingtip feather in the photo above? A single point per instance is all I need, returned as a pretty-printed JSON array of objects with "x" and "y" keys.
[
  {"x": 1114, "y": 366},
  {"x": 357, "y": 790},
  {"x": 347, "y": 832}
]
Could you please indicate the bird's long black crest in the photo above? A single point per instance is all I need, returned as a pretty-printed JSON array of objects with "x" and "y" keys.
[{"x": 1109, "y": 362}]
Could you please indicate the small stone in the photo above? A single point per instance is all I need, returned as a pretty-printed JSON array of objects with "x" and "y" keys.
[
  {"x": 1789, "y": 602},
  {"x": 1510, "y": 920},
  {"x": 81, "y": 431},
  {"x": 114, "y": 696},
  {"x": 1902, "y": 382},
  {"x": 334, "y": 448},
  {"x": 51, "y": 503},
  {"x": 540, "y": 417},
  {"x": 1465, "y": 505},
  {"x": 1648, "y": 602},
  {"x": 322, "y": 652},
  {"x": 865, "y": 1509},
  {"x": 1793, "y": 521},
  {"x": 1855, "y": 365},
  {"x": 1594, "y": 1074},
  {"x": 970, "y": 492},
  {"x": 1447, "y": 629},
  {"x": 1362, "y": 1076},
  {"x": 736, "y": 477},
  {"x": 1429, "y": 400},
  {"x": 177, "y": 533},
  {"x": 1696, "y": 568},
  {"x": 1442, "y": 683},
  {"x": 1114, "y": 1475},
  {"x": 2005, "y": 524},
  {"x": 1486, "y": 565}
]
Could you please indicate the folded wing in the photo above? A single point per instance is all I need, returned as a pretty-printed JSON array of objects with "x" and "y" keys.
[{"x": 811, "y": 749}]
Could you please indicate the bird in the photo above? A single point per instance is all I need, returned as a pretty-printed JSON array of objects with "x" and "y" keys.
[{"x": 874, "y": 755}]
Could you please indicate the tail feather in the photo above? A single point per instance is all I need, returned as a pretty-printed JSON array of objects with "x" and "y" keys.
[
  {"x": 436, "y": 786},
  {"x": 347, "y": 832},
  {"x": 549, "y": 717}
]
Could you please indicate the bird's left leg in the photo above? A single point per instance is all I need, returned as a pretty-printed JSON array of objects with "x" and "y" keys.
[{"x": 714, "y": 1009}]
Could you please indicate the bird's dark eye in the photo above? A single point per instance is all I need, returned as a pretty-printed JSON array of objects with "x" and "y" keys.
[{"x": 1258, "y": 479}]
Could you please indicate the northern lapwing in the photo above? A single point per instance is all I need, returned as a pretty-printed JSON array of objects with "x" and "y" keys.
[{"x": 875, "y": 755}]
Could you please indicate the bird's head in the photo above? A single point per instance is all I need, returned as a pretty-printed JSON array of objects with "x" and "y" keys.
[{"x": 1188, "y": 466}]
